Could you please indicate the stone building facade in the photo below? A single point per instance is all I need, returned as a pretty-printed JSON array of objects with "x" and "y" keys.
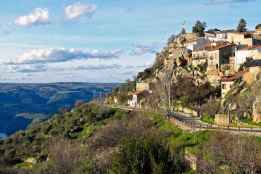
[
  {"x": 243, "y": 53},
  {"x": 245, "y": 38},
  {"x": 222, "y": 119},
  {"x": 142, "y": 86},
  {"x": 215, "y": 54},
  {"x": 228, "y": 81}
]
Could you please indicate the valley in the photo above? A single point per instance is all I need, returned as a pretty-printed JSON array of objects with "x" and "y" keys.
[{"x": 20, "y": 104}]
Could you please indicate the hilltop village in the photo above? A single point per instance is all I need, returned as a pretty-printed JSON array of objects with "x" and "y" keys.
[
  {"x": 211, "y": 78},
  {"x": 222, "y": 68}
]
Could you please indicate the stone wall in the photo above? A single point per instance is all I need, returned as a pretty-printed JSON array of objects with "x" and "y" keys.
[
  {"x": 142, "y": 86},
  {"x": 186, "y": 110},
  {"x": 222, "y": 119}
]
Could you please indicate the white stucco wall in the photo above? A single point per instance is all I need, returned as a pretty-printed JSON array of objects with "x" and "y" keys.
[
  {"x": 199, "y": 43},
  {"x": 241, "y": 56}
]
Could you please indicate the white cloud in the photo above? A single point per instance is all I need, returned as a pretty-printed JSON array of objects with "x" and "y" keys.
[
  {"x": 62, "y": 55},
  {"x": 77, "y": 10},
  {"x": 37, "y": 17},
  {"x": 28, "y": 68},
  {"x": 98, "y": 67},
  {"x": 144, "y": 49}
]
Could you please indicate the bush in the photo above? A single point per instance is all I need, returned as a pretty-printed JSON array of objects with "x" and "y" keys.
[
  {"x": 211, "y": 108},
  {"x": 145, "y": 155},
  {"x": 230, "y": 153}
]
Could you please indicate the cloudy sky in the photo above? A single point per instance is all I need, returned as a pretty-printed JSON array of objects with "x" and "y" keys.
[{"x": 100, "y": 40}]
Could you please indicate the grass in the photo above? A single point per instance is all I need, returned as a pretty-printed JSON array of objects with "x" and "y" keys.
[
  {"x": 179, "y": 137},
  {"x": 250, "y": 122},
  {"x": 208, "y": 119},
  {"x": 24, "y": 165},
  {"x": 87, "y": 131}
]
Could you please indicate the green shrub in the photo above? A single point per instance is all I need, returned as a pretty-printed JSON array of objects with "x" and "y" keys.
[{"x": 145, "y": 155}]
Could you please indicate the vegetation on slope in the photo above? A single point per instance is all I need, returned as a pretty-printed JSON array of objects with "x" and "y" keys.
[
  {"x": 97, "y": 139},
  {"x": 92, "y": 138}
]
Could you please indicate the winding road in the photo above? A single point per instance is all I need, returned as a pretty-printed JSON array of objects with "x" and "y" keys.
[{"x": 190, "y": 123}]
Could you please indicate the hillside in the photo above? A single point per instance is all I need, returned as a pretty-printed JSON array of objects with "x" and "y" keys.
[
  {"x": 22, "y": 103},
  {"x": 133, "y": 130},
  {"x": 173, "y": 81},
  {"x": 97, "y": 139},
  {"x": 92, "y": 126},
  {"x": 201, "y": 81}
]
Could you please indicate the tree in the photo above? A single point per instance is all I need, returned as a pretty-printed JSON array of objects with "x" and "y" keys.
[
  {"x": 258, "y": 26},
  {"x": 242, "y": 25},
  {"x": 146, "y": 155},
  {"x": 228, "y": 153},
  {"x": 199, "y": 28}
]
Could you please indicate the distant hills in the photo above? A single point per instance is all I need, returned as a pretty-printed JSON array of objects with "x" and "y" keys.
[{"x": 22, "y": 103}]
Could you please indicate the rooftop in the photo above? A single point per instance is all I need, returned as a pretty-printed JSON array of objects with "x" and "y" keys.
[
  {"x": 254, "y": 63},
  {"x": 245, "y": 47},
  {"x": 215, "y": 46}
]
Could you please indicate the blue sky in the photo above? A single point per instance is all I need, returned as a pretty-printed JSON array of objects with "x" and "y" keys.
[{"x": 100, "y": 40}]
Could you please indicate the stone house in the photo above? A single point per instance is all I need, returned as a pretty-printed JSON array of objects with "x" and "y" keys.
[
  {"x": 143, "y": 89},
  {"x": 209, "y": 35},
  {"x": 133, "y": 101},
  {"x": 137, "y": 98},
  {"x": 142, "y": 86},
  {"x": 220, "y": 53},
  {"x": 245, "y": 38},
  {"x": 199, "y": 56},
  {"x": 222, "y": 120},
  {"x": 197, "y": 43},
  {"x": 216, "y": 36},
  {"x": 215, "y": 54},
  {"x": 243, "y": 53},
  {"x": 227, "y": 83}
]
